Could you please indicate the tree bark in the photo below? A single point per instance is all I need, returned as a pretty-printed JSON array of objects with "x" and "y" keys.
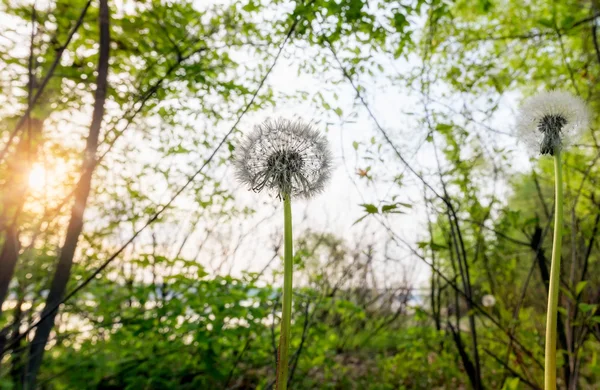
[{"x": 65, "y": 262}]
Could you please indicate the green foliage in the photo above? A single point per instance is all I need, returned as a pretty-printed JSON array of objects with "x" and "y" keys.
[{"x": 165, "y": 315}]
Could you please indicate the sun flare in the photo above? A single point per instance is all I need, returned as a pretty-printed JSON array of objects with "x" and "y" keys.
[{"x": 37, "y": 178}]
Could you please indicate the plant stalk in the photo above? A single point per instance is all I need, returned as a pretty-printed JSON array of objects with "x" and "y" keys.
[
  {"x": 554, "y": 284},
  {"x": 286, "y": 316}
]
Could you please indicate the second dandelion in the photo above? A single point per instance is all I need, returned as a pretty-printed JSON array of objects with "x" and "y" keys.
[
  {"x": 291, "y": 160},
  {"x": 547, "y": 123}
]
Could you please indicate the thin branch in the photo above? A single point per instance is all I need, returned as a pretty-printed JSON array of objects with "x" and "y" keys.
[
  {"x": 589, "y": 248},
  {"x": 498, "y": 233},
  {"x": 564, "y": 57},
  {"x": 540, "y": 194},
  {"x": 379, "y": 127},
  {"x": 532, "y": 35},
  {"x": 296, "y": 357},
  {"x": 506, "y": 366}
]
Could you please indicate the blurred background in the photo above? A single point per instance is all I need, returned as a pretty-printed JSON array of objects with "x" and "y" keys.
[{"x": 130, "y": 257}]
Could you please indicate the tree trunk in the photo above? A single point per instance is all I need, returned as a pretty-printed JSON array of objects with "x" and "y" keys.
[
  {"x": 63, "y": 269},
  {"x": 14, "y": 192}
]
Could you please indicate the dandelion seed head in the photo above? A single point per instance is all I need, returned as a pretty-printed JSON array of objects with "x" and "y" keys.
[
  {"x": 488, "y": 300},
  {"x": 285, "y": 157},
  {"x": 551, "y": 121}
]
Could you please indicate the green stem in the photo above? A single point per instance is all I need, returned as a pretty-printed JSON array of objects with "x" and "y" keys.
[
  {"x": 551, "y": 318},
  {"x": 286, "y": 316}
]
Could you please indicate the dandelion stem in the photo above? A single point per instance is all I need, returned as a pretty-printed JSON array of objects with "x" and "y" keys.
[
  {"x": 551, "y": 318},
  {"x": 284, "y": 338}
]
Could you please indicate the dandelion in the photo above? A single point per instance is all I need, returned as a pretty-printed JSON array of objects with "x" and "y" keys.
[
  {"x": 488, "y": 300},
  {"x": 548, "y": 122},
  {"x": 552, "y": 120},
  {"x": 291, "y": 160},
  {"x": 285, "y": 157}
]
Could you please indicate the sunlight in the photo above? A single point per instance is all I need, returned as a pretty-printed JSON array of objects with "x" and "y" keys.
[
  {"x": 37, "y": 177},
  {"x": 46, "y": 181}
]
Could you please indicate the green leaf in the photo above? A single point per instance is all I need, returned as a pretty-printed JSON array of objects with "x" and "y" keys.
[
  {"x": 485, "y": 6},
  {"x": 392, "y": 208},
  {"x": 546, "y": 23},
  {"x": 567, "y": 22},
  {"x": 369, "y": 208},
  {"x": 251, "y": 6},
  {"x": 511, "y": 384},
  {"x": 587, "y": 307},
  {"x": 443, "y": 128},
  {"x": 388, "y": 207},
  {"x": 400, "y": 22},
  {"x": 580, "y": 286},
  {"x": 436, "y": 247}
]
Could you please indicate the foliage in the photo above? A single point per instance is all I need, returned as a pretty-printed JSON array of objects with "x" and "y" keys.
[{"x": 156, "y": 306}]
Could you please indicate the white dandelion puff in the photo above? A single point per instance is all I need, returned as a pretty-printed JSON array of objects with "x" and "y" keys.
[
  {"x": 551, "y": 121},
  {"x": 285, "y": 157},
  {"x": 488, "y": 300}
]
